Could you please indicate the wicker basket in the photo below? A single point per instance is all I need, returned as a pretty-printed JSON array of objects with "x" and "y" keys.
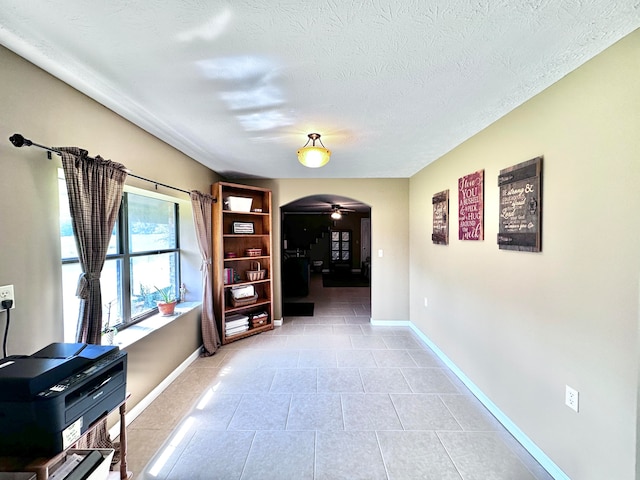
[
  {"x": 241, "y": 302},
  {"x": 258, "y": 319},
  {"x": 257, "y": 273},
  {"x": 253, "y": 252},
  {"x": 254, "y": 275}
]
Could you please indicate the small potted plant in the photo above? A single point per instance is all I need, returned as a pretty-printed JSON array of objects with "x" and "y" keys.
[
  {"x": 167, "y": 305},
  {"x": 108, "y": 332}
]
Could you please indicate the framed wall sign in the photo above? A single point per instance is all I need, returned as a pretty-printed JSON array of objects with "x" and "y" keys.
[
  {"x": 440, "y": 203},
  {"x": 521, "y": 207},
  {"x": 242, "y": 227},
  {"x": 471, "y": 206}
]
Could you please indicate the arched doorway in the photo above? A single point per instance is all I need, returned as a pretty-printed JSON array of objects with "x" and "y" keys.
[{"x": 325, "y": 242}]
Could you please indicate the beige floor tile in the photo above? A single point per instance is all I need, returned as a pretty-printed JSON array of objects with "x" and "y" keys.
[{"x": 324, "y": 397}]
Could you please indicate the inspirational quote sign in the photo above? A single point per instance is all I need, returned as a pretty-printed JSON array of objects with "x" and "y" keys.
[
  {"x": 440, "y": 203},
  {"x": 471, "y": 206},
  {"x": 521, "y": 206}
]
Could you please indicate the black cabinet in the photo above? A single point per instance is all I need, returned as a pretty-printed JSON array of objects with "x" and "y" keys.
[{"x": 295, "y": 277}]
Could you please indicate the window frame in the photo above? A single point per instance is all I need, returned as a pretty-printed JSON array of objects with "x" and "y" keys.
[{"x": 127, "y": 256}]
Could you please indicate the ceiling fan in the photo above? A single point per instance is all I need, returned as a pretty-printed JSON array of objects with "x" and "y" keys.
[{"x": 337, "y": 211}]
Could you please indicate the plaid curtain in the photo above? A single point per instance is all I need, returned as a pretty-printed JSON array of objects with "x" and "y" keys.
[
  {"x": 201, "y": 206},
  {"x": 94, "y": 187}
]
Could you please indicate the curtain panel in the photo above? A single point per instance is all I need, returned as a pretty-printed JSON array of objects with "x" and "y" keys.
[
  {"x": 95, "y": 188},
  {"x": 201, "y": 206}
]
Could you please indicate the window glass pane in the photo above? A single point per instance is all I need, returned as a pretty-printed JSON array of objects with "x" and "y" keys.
[
  {"x": 152, "y": 224},
  {"x": 112, "y": 249},
  {"x": 110, "y": 284},
  {"x": 67, "y": 242},
  {"x": 70, "y": 303},
  {"x": 68, "y": 247},
  {"x": 147, "y": 273},
  {"x": 111, "y": 280}
]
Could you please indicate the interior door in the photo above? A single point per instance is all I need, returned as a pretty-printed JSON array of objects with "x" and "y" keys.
[{"x": 341, "y": 249}]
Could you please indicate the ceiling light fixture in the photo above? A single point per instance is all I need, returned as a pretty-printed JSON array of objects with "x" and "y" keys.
[
  {"x": 313, "y": 157},
  {"x": 336, "y": 215}
]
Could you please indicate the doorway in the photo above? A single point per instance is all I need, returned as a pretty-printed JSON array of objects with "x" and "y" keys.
[{"x": 326, "y": 241}]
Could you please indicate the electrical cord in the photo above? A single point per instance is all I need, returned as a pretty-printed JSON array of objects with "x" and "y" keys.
[{"x": 6, "y": 304}]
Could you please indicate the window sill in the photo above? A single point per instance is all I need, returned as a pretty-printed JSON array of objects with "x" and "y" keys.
[{"x": 136, "y": 332}]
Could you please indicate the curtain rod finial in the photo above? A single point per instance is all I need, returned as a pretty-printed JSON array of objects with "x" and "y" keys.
[{"x": 18, "y": 140}]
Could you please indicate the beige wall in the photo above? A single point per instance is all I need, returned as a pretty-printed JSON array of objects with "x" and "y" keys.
[
  {"x": 50, "y": 112},
  {"x": 388, "y": 199},
  {"x": 523, "y": 325},
  {"x": 151, "y": 360}
]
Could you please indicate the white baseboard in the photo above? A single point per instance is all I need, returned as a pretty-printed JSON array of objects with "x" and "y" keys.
[
  {"x": 132, "y": 414},
  {"x": 390, "y": 323},
  {"x": 518, "y": 434}
]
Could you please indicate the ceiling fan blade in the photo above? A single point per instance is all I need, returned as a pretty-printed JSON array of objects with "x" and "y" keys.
[{"x": 339, "y": 208}]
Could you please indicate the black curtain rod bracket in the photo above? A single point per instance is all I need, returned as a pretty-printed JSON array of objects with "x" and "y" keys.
[{"x": 19, "y": 141}]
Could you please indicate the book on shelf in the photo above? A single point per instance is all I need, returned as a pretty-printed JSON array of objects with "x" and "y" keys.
[
  {"x": 235, "y": 330},
  {"x": 229, "y": 276}
]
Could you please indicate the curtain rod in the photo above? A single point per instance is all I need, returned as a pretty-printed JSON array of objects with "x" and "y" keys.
[{"x": 19, "y": 141}]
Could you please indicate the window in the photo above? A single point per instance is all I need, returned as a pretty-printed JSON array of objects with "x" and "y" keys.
[
  {"x": 143, "y": 255},
  {"x": 340, "y": 245}
]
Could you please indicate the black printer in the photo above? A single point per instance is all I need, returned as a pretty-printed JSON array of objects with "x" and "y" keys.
[{"x": 49, "y": 399}]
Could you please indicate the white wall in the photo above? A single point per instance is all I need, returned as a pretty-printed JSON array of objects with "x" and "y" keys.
[{"x": 523, "y": 325}]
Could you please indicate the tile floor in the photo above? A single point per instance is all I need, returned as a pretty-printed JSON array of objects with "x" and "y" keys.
[{"x": 324, "y": 397}]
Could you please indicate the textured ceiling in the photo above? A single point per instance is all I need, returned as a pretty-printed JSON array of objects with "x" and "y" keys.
[{"x": 391, "y": 85}]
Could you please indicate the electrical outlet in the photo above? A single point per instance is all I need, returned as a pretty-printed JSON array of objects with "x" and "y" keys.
[
  {"x": 6, "y": 293},
  {"x": 571, "y": 398}
]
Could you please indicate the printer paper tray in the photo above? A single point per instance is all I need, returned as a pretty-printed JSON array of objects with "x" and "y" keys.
[{"x": 92, "y": 395}]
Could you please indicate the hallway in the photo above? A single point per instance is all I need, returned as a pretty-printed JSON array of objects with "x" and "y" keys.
[{"x": 324, "y": 397}]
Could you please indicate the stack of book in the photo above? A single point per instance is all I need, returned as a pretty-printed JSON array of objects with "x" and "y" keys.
[
  {"x": 228, "y": 276},
  {"x": 235, "y": 324}
]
